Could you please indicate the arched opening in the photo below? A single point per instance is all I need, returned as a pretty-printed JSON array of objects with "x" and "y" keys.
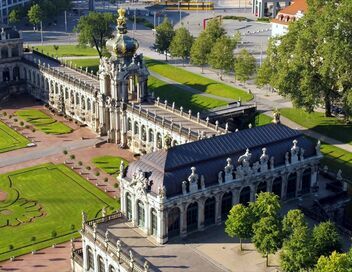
[
  {"x": 90, "y": 259},
  {"x": 89, "y": 106},
  {"x": 93, "y": 106},
  {"x": 129, "y": 124},
  {"x": 66, "y": 93},
  {"x": 16, "y": 73},
  {"x": 101, "y": 264},
  {"x": 6, "y": 74},
  {"x": 291, "y": 185},
  {"x": 111, "y": 269},
  {"x": 136, "y": 128},
  {"x": 144, "y": 133},
  {"x": 277, "y": 184},
  {"x": 174, "y": 222},
  {"x": 140, "y": 214},
  {"x": 261, "y": 187},
  {"x": 153, "y": 222},
  {"x": 209, "y": 211},
  {"x": 192, "y": 217},
  {"x": 77, "y": 98},
  {"x": 151, "y": 135},
  {"x": 15, "y": 51},
  {"x": 226, "y": 205},
  {"x": 159, "y": 141},
  {"x": 245, "y": 195},
  {"x": 4, "y": 52},
  {"x": 306, "y": 180},
  {"x": 128, "y": 206},
  {"x": 83, "y": 104}
]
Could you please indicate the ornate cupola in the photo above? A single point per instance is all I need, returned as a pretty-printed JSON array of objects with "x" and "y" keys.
[{"x": 122, "y": 46}]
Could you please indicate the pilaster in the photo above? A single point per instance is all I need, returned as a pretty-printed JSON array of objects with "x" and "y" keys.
[{"x": 201, "y": 214}]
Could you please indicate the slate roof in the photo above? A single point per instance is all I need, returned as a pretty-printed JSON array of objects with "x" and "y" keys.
[{"x": 171, "y": 167}]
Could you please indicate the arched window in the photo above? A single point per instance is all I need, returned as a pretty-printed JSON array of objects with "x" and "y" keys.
[
  {"x": 136, "y": 128},
  {"x": 192, "y": 217},
  {"x": 151, "y": 135},
  {"x": 111, "y": 269},
  {"x": 245, "y": 195},
  {"x": 153, "y": 223},
  {"x": 128, "y": 206},
  {"x": 89, "y": 107},
  {"x": 66, "y": 93},
  {"x": 77, "y": 98},
  {"x": 16, "y": 73},
  {"x": 93, "y": 106},
  {"x": 129, "y": 124},
  {"x": 144, "y": 133},
  {"x": 291, "y": 185},
  {"x": 209, "y": 211},
  {"x": 306, "y": 180},
  {"x": 6, "y": 74},
  {"x": 15, "y": 51},
  {"x": 226, "y": 205},
  {"x": 159, "y": 141},
  {"x": 261, "y": 187},
  {"x": 90, "y": 258},
  {"x": 83, "y": 104},
  {"x": 174, "y": 222},
  {"x": 101, "y": 264},
  {"x": 4, "y": 52},
  {"x": 140, "y": 214}
]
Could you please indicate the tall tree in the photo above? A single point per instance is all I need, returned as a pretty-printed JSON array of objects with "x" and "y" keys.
[
  {"x": 326, "y": 239},
  {"x": 292, "y": 220},
  {"x": 311, "y": 62},
  {"x": 221, "y": 55},
  {"x": 239, "y": 223},
  {"x": 94, "y": 29},
  {"x": 181, "y": 44},
  {"x": 297, "y": 252},
  {"x": 163, "y": 37},
  {"x": 14, "y": 16},
  {"x": 35, "y": 14},
  {"x": 214, "y": 30},
  {"x": 200, "y": 50},
  {"x": 267, "y": 204},
  {"x": 245, "y": 65},
  {"x": 267, "y": 236},
  {"x": 336, "y": 262}
]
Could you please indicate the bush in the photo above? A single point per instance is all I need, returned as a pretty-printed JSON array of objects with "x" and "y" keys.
[
  {"x": 33, "y": 238},
  {"x": 33, "y": 130},
  {"x": 72, "y": 157},
  {"x": 4, "y": 113},
  {"x": 11, "y": 247},
  {"x": 106, "y": 179},
  {"x": 72, "y": 227},
  {"x": 65, "y": 152},
  {"x": 149, "y": 25},
  {"x": 53, "y": 234},
  {"x": 15, "y": 120},
  {"x": 237, "y": 18},
  {"x": 265, "y": 20},
  {"x": 80, "y": 163},
  {"x": 10, "y": 116},
  {"x": 116, "y": 185},
  {"x": 88, "y": 168},
  {"x": 27, "y": 126},
  {"x": 97, "y": 174}
]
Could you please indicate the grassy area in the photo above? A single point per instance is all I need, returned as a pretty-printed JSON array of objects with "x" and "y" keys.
[
  {"x": 197, "y": 82},
  {"x": 336, "y": 158},
  {"x": 183, "y": 98},
  {"x": 109, "y": 164},
  {"x": 42, "y": 207},
  {"x": 67, "y": 50},
  {"x": 261, "y": 119},
  {"x": 329, "y": 126},
  {"x": 43, "y": 122},
  {"x": 10, "y": 139},
  {"x": 92, "y": 64}
]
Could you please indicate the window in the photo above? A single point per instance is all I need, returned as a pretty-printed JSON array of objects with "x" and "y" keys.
[
  {"x": 128, "y": 206},
  {"x": 154, "y": 223},
  {"x": 140, "y": 214}
]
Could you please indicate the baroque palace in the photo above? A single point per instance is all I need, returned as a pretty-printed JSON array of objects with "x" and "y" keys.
[{"x": 192, "y": 172}]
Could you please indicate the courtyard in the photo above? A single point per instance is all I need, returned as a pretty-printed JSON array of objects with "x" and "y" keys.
[
  {"x": 41, "y": 206},
  {"x": 11, "y": 139}
]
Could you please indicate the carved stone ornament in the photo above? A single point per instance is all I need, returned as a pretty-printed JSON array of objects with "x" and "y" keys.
[
  {"x": 244, "y": 160},
  {"x": 264, "y": 158},
  {"x": 294, "y": 152},
  {"x": 162, "y": 192},
  {"x": 193, "y": 180}
]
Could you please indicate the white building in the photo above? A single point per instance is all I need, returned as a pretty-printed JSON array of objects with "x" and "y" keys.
[
  {"x": 7, "y": 5},
  {"x": 268, "y": 8},
  {"x": 279, "y": 25}
]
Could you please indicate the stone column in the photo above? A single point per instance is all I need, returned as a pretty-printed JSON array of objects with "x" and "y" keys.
[
  {"x": 218, "y": 203},
  {"x": 201, "y": 214},
  {"x": 123, "y": 128},
  {"x": 183, "y": 220},
  {"x": 134, "y": 210},
  {"x": 236, "y": 196},
  {"x": 253, "y": 192},
  {"x": 269, "y": 185},
  {"x": 161, "y": 226},
  {"x": 284, "y": 187},
  {"x": 122, "y": 199},
  {"x": 85, "y": 256},
  {"x": 314, "y": 177},
  {"x": 147, "y": 216},
  {"x": 9, "y": 50},
  {"x": 299, "y": 182}
]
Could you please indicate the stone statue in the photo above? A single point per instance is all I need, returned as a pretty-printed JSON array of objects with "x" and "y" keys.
[
  {"x": 184, "y": 187},
  {"x": 122, "y": 168},
  {"x": 84, "y": 217},
  {"x": 255, "y": 167},
  {"x": 301, "y": 157},
  {"x": 103, "y": 212},
  {"x": 202, "y": 182},
  {"x": 107, "y": 235},
  {"x": 264, "y": 158},
  {"x": 220, "y": 178},
  {"x": 245, "y": 161},
  {"x": 167, "y": 141},
  {"x": 317, "y": 148},
  {"x": 118, "y": 245},
  {"x": 193, "y": 180},
  {"x": 131, "y": 255},
  {"x": 276, "y": 117},
  {"x": 339, "y": 175},
  {"x": 294, "y": 151},
  {"x": 162, "y": 191},
  {"x": 146, "y": 266},
  {"x": 239, "y": 172}
]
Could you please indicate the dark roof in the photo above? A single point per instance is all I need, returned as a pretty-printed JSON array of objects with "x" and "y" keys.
[{"x": 171, "y": 167}]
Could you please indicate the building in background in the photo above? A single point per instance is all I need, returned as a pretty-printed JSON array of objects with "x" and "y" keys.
[
  {"x": 268, "y": 8},
  {"x": 7, "y": 5},
  {"x": 287, "y": 15}
]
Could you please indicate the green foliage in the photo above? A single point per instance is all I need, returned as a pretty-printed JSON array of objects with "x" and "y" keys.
[
  {"x": 297, "y": 253},
  {"x": 267, "y": 204},
  {"x": 35, "y": 14},
  {"x": 53, "y": 234},
  {"x": 14, "y": 16},
  {"x": 239, "y": 222},
  {"x": 292, "y": 220},
  {"x": 94, "y": 30},
  {"x": 163, "y": 36},
  {"x": 267, "y": 236},
  {"x": 10, "y": 139},
  {"x": 221, "y": 55},
  {"x": 245, "y": 65},
  {"x": 200, "y": 50},
  {"x": 214, "y": 31},
  {"x": 181, "y": 43},
  {"x": 263, "y": 74},
  {"x": 109, "y": 164},
  {"x": 336, "y": 262},
  {"x": 326, "y": 239}
]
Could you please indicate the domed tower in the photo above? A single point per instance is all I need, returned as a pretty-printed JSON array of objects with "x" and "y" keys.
[{"x": 123, "y": 79}]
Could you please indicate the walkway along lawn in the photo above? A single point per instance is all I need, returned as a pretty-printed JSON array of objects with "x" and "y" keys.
[
  {"x": 197, "y": 82},
  {"x": 11, "y": 139},
  {"x": 43, "y": 122},
  {"x": 109, "y": 164},
  {"x": 67, "y": 50},
  {"x": 48, "y": 199},
  {"x": 316, "y": 121}
]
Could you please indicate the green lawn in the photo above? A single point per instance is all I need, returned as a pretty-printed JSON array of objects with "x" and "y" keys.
[
  {"x": 92, "y": 64},
  {"x": 197, "y": 82},
  {"x": 261, "y": 119},
  {"x": 45, "y": 198},
  {"x": 183, "y": 98},
  {"x": 67, "y": 50},
  {"x": 109, "y": 164},
  {"x": 11, "y": 139},
  {"x": 43, "y": 122},
  {"x": 329, "y": 126}
]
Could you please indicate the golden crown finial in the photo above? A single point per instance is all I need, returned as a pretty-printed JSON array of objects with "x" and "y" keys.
[
  {"x": 121, "y": 12},
  {"x": 121, "y": 21}
]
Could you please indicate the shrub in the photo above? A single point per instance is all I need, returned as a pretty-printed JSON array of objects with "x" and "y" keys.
[
  {"x": 97, "y": 174},
  {"x": 106, "y": 179},
  {"x": 11, "y": 247},
  {"x": 15, "y": 120},
  {"x": 72, "y": 227},
  {"x": 27, "y": 126},
  {"x": 88, "y": 168},
  {"x": 65, "y": 152},
  {"x": 33, "y": 130},
  {"x": 21, "y": 124},
  {"x": 53, "y": 234},
  {"x": 72, "y": 157},
  {"x": 80, "y": 163},
  {"x": 116, "y": 185},
  {"x": 33, "y": 238},
  {"x": 4, "y": 113},
  {"x": 10, "y": 116}
]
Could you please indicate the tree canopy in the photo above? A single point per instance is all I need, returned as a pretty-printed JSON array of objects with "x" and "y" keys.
[
  {"x": 200, "y": 50},
  {"x": 245, "y": 65},
  {"x": 326, "y": 239},
  {"x": 164, "y": 35},
  {"x": 292, "y": 220},
  {"x": 94, "y": 30},
  {"x": 336, "y": 262},
  {"x": 311, "y": 63},
  {"x": 14, "y": 16},
  {"x": 267, "y": 204},
  {"x": 35, "y": 14},
  {"x": 181, "y": 43}
]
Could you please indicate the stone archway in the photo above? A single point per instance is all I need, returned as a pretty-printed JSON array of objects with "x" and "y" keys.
[
  {"x": 277, "y": 185},
  {"x": 261, "y": 187},
  {"x": 306, "y": 181},
  {"x": 6, "y": 74},
  {"x": 245, "y": 195},
  {"x": 226, "y": 205},
  {"x": 209, "y": 211},
  {"x": 291, "y": 185},
  {"x": 192, "y": 217},
  {"x": 173, "y": 222}
]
